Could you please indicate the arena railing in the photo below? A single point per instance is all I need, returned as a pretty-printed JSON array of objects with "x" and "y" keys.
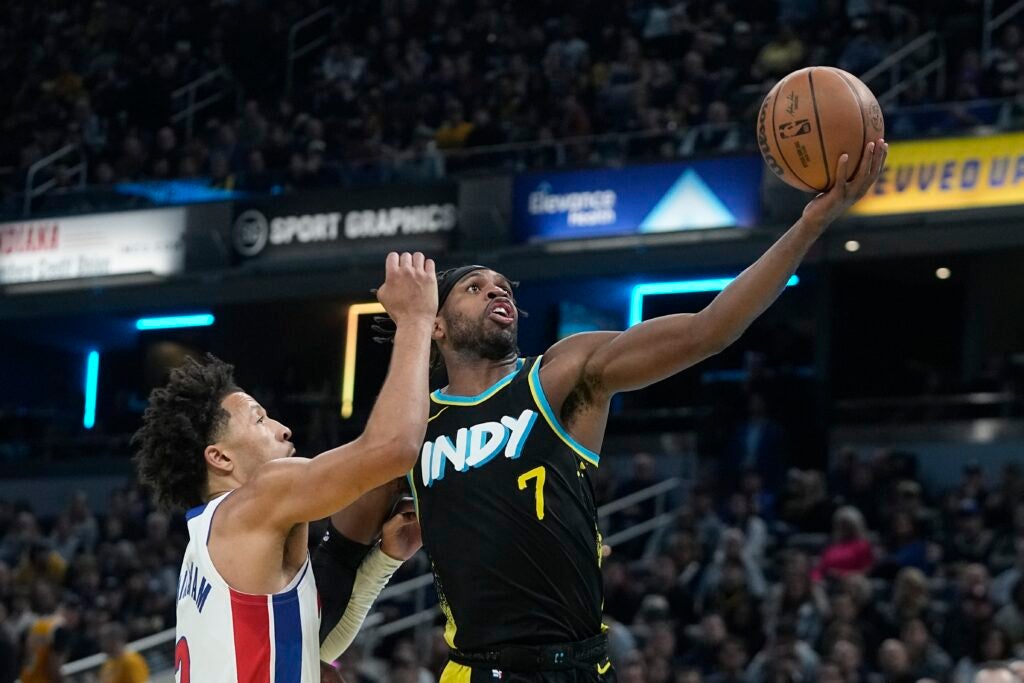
[
  {"x": 48, "y": 163},
  {"x": 991, "y": 24},
  {"x": 189, "y": 101},
  {"x": 903, "y": 70},
  {"x": 297, "y": 51},
  {"x": 158, "y": 648}
]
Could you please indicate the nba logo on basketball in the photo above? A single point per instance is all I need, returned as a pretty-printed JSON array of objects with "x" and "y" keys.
[{"x": 791, "y": 129}]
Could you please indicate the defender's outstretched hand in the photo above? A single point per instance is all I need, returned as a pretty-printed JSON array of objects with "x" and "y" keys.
[
  {"x": 828, "y": 206},
  {"x": 410, "y": 287}
]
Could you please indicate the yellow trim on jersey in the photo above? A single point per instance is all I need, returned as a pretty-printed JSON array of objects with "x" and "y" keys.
[
  {"x": 456, "y": 673},
  {"x": 450, "y": 628},
  {"x": 602, "y": 670},
  {"x": 545, "y": 409},
  {"x": 437, "y": 414},
  {"x": 451, "y": 400}
]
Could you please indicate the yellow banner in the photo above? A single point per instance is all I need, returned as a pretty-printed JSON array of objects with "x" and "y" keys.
[{"x": 947, "y": 174}]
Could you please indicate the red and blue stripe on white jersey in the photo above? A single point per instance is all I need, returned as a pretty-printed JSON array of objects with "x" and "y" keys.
[{"x": 227, "y": 635}]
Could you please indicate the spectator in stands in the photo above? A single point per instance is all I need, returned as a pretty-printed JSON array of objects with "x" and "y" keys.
[
  {"x": 847, "y": 653},
  {"x": 850, "y": 551},
  {"x": 910, "y": 600},
  {"x": 759, "y": 443},
  {"x": 703, "y": 642},
  {"x": 998, "y": 673},
  {"x": 894, "y": 663},
  {"x": 706, "y": 521},
  {"x": 785, "y": 652},
  {"x": 732, "y": 661},
  {"x": 972, "y": 612},
  {"x": 754, "y": 529},
  {"x": 122, "y": 666},
  {"x": 1010, "y": 619},
  {"x": 805, "y": 505},
  {"x": 971, "y": 542},
  {"x": 992, "y": 646},
  {"x": 905, "y": 547},
  {"x": 797, "y": 598},
  {"x": 927, "y": 658},
  {"x": 1003, "y": 584}
]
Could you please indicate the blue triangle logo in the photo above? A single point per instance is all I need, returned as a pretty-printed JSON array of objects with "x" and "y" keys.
[{"x": 688, "y": 205}]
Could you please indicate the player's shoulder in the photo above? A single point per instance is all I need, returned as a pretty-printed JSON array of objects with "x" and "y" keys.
[{"x": 564, "y": 364}]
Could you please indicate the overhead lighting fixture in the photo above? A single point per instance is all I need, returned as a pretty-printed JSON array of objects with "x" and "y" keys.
[
  {"x": 92, "y": 378},
  {"x": 943, "y": 273},
  {"x": 171, "y": 322},
  {"x": 636, "y": 300},
  {"x": 348, "y": 371},
  {"x": 852, "y": 246}
]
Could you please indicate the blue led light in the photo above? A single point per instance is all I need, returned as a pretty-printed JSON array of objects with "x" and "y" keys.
[
  {"x": 92, "y": 377},
  {"x": 175, "y": 321},
  {"x": 636, "y": 299}
]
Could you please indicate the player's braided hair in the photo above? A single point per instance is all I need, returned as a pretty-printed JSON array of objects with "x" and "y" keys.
[{"x": 182, "y": 419}]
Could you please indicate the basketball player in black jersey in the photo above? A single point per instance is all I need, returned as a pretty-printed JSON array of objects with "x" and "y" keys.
[{"x": 502, "y": 485}]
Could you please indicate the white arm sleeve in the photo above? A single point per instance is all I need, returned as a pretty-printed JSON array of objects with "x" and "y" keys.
[{"x": 374, "y": 573}]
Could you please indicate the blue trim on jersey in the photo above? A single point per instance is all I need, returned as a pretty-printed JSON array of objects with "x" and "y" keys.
[
  {"x": 192, "y": 513},
  {"x": 288, "y": 637},
  {"x": 549, "y": 415},
  {"x": 450, "y": 399}
]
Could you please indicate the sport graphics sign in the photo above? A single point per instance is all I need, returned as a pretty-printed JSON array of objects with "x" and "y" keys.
[
  {"x": 96, "y": 245},
  {"x": 942, "y": 175},
  {"x": 701, "y": 194},
  {"x": 421, "y": 216}
]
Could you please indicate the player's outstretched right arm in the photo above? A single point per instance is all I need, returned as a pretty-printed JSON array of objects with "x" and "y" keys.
[{"x": 298, "y": 490}]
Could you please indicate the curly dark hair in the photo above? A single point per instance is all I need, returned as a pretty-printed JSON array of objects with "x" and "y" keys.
[{"x": 182, "y": 418}]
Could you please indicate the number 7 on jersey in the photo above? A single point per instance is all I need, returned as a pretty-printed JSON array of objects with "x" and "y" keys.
[{"x": 539, "y": 474}]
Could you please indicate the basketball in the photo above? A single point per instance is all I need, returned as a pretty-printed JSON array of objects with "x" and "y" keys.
[{"x": 811, "y": 118}]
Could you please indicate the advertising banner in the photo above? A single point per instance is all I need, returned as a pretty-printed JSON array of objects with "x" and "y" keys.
[
  {"x": 695, "y": 195},
  {"x": 96, "y": 245},
  {"x": 948, "y": 174},
  {"x": 377, "y": 218}
]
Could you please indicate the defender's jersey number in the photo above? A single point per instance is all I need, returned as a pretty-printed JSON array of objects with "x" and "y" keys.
[{"x": 539, "y": 474}]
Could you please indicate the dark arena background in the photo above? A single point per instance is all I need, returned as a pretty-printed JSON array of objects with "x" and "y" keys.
[{"x": 837, "y": 497}]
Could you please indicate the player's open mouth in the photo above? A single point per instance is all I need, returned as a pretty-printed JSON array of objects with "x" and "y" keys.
[{"x": 502, "y": 312}]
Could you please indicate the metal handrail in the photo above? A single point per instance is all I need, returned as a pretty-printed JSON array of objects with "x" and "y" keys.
[
  {"x": 638, "y": 497},
  {"x": 31, "y": 192},
  {"x": 892, "y": 64},
  {"x": 191, "y": 90},
  {"x": 96, "y": 660},
  {"x": 936, "y": 66},
  {"x": 992, "y": 24},
  {"x": 295, "y": 53}
]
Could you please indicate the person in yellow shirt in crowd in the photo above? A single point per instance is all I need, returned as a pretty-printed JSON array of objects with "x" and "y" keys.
[{"x": 122, "y": 666}]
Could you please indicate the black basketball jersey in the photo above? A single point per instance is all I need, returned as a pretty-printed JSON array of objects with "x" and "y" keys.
[{"x": 508, "y": 517}]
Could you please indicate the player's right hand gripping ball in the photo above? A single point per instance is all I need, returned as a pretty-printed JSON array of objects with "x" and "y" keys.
[{"x": 811, "y": 118}]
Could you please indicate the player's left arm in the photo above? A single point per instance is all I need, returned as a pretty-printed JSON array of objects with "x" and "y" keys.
[
  {"x": 661, "y": 347},
  {"x": 351, "y": 574}
]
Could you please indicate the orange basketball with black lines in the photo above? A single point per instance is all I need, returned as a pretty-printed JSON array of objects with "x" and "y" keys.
[{"x": 811, "y": 118}]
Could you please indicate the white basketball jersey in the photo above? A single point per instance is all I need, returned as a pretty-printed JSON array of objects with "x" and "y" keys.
[{"x": 226, "y": 636}]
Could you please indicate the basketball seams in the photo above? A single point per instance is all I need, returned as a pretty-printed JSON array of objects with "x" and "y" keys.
[
  {"x": 863, "y": 120},
  {"x": 821, "y": 134},
  {"x": 775, "y": 134}
]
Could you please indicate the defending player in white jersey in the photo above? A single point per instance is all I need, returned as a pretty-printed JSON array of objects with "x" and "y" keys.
[{"x": 248, "y": 609}]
